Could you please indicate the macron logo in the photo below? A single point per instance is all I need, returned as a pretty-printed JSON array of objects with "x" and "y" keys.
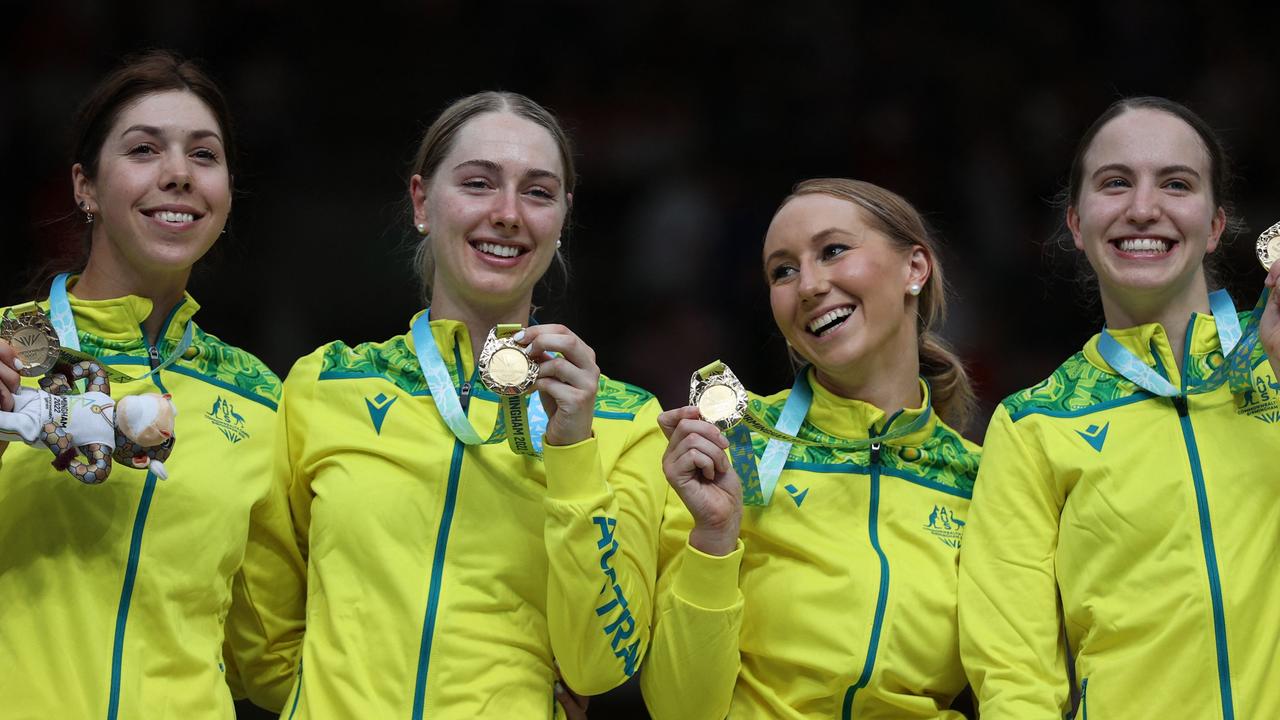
[
  {"x": 1095, "y": 435},
  {"x": 378, "y": 408}
]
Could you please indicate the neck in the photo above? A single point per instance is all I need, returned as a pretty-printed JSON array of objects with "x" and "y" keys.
[
  {"x": 889, "y": 379},
  {"x": 478, "y": 319},
  {"x": 104, "y": 278},
  {"x": 1171, "y": 311}
]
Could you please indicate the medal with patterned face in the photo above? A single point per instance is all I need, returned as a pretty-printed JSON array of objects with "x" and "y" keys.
[
  {"x": 1269, "y": 246},
  {"x": 718, "y": 395},
  {"x": 34, "y": 339},
  {"x": 505, "y": 367}
]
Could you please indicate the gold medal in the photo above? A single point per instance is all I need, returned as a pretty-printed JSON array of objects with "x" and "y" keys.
[
  {"x": 718, "y": 395},
  {"x": 505, "y": 367},
  {"x": 1269, "y": 246},
  {"x": 34, "y": 339}
]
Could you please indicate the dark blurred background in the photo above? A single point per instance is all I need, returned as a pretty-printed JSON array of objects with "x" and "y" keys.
[{"x": 692, "y": 120}]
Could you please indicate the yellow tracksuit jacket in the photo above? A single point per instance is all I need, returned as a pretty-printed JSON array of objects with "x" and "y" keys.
[
  {"x": 114, "y": 597},
  {"x": 1141, "y": 529},
  {"x": 444, "y": 581},
  {"x": 841, "y": 599}
]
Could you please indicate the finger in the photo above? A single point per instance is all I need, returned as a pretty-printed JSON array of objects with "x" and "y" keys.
[
  {"x": 693, "y": 463},
  {"x": 704, "y": 445},
  {"x": 696, "y": 426},
  {"x": 669, "y": 419},
  {"x": 575, "y": 706},
  {"x": 568, "y": 345},
  {"x": 6, "y": 399},
  {"x": 585, "y": 379}
]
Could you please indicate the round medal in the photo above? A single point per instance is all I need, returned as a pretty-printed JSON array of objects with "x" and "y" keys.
[
  {"x": 717, "y": 403},
  {"x": 505, "y": 367},
  {"x": 1269, "y": 246},
  {"x": 35, "y": 341},
  {"x": 718, "y": 395}
]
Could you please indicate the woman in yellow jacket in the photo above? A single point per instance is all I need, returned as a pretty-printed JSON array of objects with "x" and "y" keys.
[
  {"x": 1122, "y": 540},
  {"x": 116, "y": 597},
  {"x": 447, "y": 577},
  {"x": 834, "y": 595}
]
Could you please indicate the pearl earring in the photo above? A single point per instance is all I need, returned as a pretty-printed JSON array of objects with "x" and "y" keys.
[
  {"x": 422, "y": 228},
  {"x": 558, "y": 243},
  {"x": 914, "y": 289}
]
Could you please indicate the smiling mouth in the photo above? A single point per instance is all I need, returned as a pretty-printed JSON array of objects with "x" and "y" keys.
[
  {"x": 173, "y": 218},
  {"x": 1148, "y": 247},
  {"x": 498, "y": 250},
  {"x": 829, "y": 321}
]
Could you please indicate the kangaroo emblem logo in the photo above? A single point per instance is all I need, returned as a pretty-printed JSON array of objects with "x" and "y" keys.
[
  {"x": 227, "y": 420},
  {"x": 944, "y": 525}
]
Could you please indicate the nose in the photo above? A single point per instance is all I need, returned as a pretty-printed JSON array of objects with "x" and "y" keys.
[
  {"x": 813, "y": 282},
  {"x": 506, "y": 210},
  {"x": 175, "y": 173},
  {"x": 1144, "y": 205}
]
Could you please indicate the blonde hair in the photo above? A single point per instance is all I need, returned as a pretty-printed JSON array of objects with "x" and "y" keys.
[{"x": 893, "y": 216}]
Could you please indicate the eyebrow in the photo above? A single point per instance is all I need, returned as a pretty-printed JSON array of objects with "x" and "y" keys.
[
  {"x": 494, "y": 167},
  {"x": 1167, "y": 170},
  {"x": 817, "y": 238},
  {"x": 159, "y": 132}
]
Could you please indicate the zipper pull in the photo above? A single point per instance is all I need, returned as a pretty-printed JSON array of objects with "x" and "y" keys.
[
  {"x": 875, "y": 453},
  {"x": 155, "y": 356},
  {"x": 1180, "y": 403},
  {"x": 465, "y": 394}
]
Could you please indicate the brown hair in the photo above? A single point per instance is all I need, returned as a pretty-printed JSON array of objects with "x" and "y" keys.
[
  {"x": 892, "y": 215},
  {"x": 438, "y": 142},
  {"x": 147, "y": 73}
]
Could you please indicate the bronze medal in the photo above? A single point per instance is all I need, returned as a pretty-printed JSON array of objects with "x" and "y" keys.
[
  {"x": 1269, "y": 246},
  {"x": 34, "y": 339}
]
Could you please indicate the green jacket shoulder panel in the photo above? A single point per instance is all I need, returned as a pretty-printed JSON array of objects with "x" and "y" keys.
[
  {"x": 620, "y": 398},
  {"x": 233, "y": 366},
  {"x": 1076, "y": 387},
  {"x": 391, "y": 360}
]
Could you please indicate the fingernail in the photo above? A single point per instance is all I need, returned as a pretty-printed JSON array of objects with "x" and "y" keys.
[
  {"x": 518, "y": 336},
  {"x": 18, "y": 364},
  {"x": 559, "y": 687}
]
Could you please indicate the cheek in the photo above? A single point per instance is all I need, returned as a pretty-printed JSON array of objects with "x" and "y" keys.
[{"x": 782, "y": 303}]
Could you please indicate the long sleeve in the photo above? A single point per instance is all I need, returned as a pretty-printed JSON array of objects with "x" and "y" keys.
[
  {"x": 265, "y": 625},
  {"x": 601, "y": 540},
  {"x": 693, "y": 663},
  {"x": 1010, "y": 621}
]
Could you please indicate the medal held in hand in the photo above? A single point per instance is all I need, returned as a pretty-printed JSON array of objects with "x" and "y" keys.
[
  {"x": 34, "y": 340},
  {"x": 1269, "y": 246},
  {"x": 505, "y": 367},
  {"x": 719, "y": 396}
]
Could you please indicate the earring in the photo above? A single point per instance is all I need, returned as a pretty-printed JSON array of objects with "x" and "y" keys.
[
  {"x": 88, "y": 216},
  {"x": 422, "y": 228},
  {"x": 914, "y": 289},
  {"x": 558, "y": 243}
]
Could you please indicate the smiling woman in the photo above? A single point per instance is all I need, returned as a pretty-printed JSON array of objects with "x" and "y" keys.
[
  {"x": 466, "y": 541},
  {"x": 1113, "y": 565},
  {"x": 119, "y": 597},
  {"x": 837, "y": 598}
]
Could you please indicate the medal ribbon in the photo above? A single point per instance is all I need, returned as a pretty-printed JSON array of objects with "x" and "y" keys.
[
  {"x": 64, "y": 322},
  {"x": 1237, "y": 348},
  {"x": 450, "y": 407},
  {"x": 519, "y": 437}
]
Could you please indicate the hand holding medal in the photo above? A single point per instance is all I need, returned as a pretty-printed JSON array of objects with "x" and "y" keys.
[
  {"x": 566, "y": 381},
  {"x": 698, "y": 470}
]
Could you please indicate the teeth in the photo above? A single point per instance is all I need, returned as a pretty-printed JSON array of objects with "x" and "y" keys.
[
  {"x": 828, "y": 317},
  {"x": 173, "y": 217},
  {"x": 506, "y": 251},
  {"x": 1143, "y": 245}
]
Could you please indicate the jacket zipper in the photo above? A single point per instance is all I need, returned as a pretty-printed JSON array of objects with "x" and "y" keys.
[
  {"x": 873, "y": 531},
  {"x": 1210, "y": 557},
  {"x": 437, "y": 562}
]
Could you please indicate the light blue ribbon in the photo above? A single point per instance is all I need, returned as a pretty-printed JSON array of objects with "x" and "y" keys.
[
  {"x": 1236, "y": 345},
  {"x": 64, "y": 322},
  {"x": 447, "y": 401}
]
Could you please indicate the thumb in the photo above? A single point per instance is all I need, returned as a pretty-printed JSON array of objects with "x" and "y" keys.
[{"x": 671, "y": 418}]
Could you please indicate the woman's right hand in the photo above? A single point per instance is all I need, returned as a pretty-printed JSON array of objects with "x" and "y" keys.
[
  {"x": 9, "y": 378},
  {"x": 699, "y": 471}
]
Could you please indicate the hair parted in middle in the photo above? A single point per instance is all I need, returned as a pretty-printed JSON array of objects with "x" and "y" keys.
[
  {"x": 899, "y": 221},
  {"x": 438, "y": 141}
]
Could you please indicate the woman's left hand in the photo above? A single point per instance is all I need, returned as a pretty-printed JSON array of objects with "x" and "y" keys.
[
  {"x": 567, "y": 382},
  {"x": 1269, "y": 326}
]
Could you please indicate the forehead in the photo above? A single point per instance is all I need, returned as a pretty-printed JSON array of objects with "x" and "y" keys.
[
  {"x": 172, "y": 110},
  {"x": 509, "y": 140},
  {"x": 1146, "y": 138},
  {"x": 805, "y": 216}
]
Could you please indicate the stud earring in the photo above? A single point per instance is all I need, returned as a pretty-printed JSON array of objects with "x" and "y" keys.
[
  {"x": 558, "y": 243},
  {"x": 914, "y": 289},
  {"x": 422, "y": 228}
]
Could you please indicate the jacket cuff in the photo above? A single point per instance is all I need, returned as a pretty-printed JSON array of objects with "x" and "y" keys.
[
  {"x": 709, "y": 581},
  {"x": 573, "y": 471}
]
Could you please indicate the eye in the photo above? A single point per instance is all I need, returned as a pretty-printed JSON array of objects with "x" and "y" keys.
[
  {"x": 1114, "y": 183},
  {"x": 476, "y": 184},
  {"x": 1178, "y": 184},
  {"x": 541, "y": 193},
  {"x": 142, "y": 149},
  {"x": 833, "y": 250},
  {"x": 205, "y": 154},
  {"x": 781, "y": 271}
]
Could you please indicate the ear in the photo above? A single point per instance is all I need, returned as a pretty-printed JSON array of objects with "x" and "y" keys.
[
  {"x": 1073, "y": 225},
  {"x": 919, "y": 266},
  {"x": 1216, "y": 227},
  {"x": 418, "y": 196},
  {"x": 568, "y": 202},
  {"x": 83, "y": 189}
]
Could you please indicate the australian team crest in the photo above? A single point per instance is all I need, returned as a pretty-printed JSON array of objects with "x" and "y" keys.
[
  {"x": 1261, "y": 400},
  {"x": 945, "y": 526},
  {"x": 226, "y": 419}
]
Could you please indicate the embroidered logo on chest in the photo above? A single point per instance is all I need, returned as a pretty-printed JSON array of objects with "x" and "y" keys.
[
  {"x": 1262, "y": 400},
  {"x": 944, "y": 525},
  {"x": 227, "y": 420}
]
